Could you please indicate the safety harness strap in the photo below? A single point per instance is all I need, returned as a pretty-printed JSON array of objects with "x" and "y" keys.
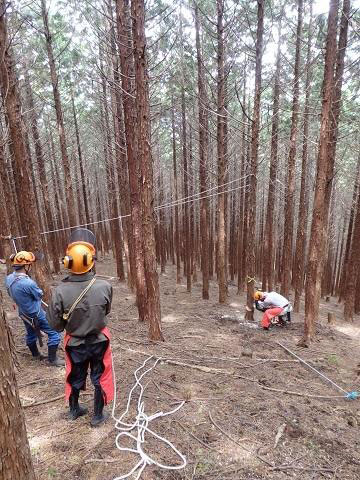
[{"x": 66, "y": 315}]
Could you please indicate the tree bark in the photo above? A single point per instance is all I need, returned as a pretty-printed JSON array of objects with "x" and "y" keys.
[
  {"x": 69, "y": 191},
  {"x": 250, "y": 251},
  {"x": 221, "y": 153},
  {"x": 203, "y": 160},
  {"x": 42, "y": 173},
  {"x": 268, "y": 272},
  {"x": 349, "y": 233},
  {"x": 176, "y": 199},
  {"x": 15, "y": 454},
  {"x": 146, "y": 168},
  {"x": 127, "y": 70},
  {"x": 300, "y": 248},
  {"x": 12, "y": 107},
  {"x": 313, "y": 277},
  {"x": 290, "y": 183},
  {"x": 81, "y": 162},
  {"x": 353, "y": 268}
]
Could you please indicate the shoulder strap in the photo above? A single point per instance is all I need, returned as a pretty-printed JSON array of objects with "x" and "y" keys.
[
  {"x": 66, "y": 315},
  {"x": 15, "y": 280}
]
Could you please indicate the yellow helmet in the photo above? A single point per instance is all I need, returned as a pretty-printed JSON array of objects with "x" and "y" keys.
[
  {"x": 79, "y": 257},
  {"x": 258, "y": 295},
  {"x": 22, "y": 258}
]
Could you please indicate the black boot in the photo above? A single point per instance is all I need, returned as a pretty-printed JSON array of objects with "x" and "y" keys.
[
  {"x": 35, "y": 351},
  {"x": 76, "y": 410},
  {"x": 54, "y": 361},
  {"x": 99, "y": 417}
]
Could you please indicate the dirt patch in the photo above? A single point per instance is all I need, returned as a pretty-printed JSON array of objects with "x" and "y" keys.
[{"x": 249, "y": 397}]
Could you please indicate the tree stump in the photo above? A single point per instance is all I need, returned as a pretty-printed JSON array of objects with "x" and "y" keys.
[
  {"x": 331, "y": 318},
  {"x": 16, "y": 460}
]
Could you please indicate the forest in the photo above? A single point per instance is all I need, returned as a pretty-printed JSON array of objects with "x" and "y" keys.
[{"x": 212, "y": 147}]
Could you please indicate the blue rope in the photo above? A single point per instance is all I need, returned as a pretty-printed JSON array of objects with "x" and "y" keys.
[{"x": 352, "y": 395}]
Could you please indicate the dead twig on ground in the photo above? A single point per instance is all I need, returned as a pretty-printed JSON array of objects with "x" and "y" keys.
[
  {"x": 103, "y": 460},
  {"x": 202, "y": 368},
  {"x": 54, "y": 399},
  {"x": 298, "y": 394},
  {"x": 34, "y": 382},
  {"x": 303, "y": 469},
  {"x": 226, "y": 434},
  {"x": 237, "y": 442},
  {"x": 279, "y": 434},
  {"x": 145, "y": 342},
  {"x": 195, "y": 437}
]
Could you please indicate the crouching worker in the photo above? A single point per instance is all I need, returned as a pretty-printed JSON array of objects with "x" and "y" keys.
[
  {"x": 27, "y": 296},
  {"x": 273, "y": 305},
  {"x": 79, "y": 305}
]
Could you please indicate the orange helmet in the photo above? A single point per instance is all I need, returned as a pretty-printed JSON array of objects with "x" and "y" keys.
[
  {"x": 79, "y": 257},
  {"x": 258, "y": 295},
  {"x": 22, "y": 258}
]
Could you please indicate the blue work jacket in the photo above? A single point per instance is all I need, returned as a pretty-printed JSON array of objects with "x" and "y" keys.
[{"x": 25, "y": 293}]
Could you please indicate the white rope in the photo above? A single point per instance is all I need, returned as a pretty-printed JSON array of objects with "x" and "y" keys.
[
  {"x": 141, "y": 423},
  {"x": 179, "y": 202}
]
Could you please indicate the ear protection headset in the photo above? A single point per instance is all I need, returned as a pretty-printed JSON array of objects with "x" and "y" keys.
[{"x": 79, "y": 257}]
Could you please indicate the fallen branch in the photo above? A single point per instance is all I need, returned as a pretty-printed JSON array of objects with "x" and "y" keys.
[
  {"x": 202, "y": 368},
  {"x": 226, "y": 434},
  {"x": 303, "y": 469},
  {"x": 289, "y": 392},
  {"x": 34, "y": 382},
  {"x": 237, "y": 442},
  {"x": 103, "y": 460},
  {"x": 54, "y": 399},
  {"x": 127, "y": 339},
  {"x": 195, "y": 437}
]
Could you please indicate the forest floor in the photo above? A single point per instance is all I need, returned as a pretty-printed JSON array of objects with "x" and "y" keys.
[{"x": 232, "y": 419}]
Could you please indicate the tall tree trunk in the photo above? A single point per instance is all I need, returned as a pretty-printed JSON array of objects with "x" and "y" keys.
[
  {"x": 133, "y": 161},
  {"x": 299, "y": 262},
  {"x": 12, "y": 107},
  {"x": 353, "y": 268},
  {"x": 203, "y": 154},
  {"x": 186, "y": 216},
  {"x": 81, "y": 162},
  {"x": 116, "y": 109},
  {"x": 69, "y": 191},
  {"x": 5, "y": 232},
  {"x": 268, "y": 272},
  {"x": 221, "y": 153},
  {"x": 16, "y": 460},
  {"x": 313, "y": 277},
  {"x": 146, "y": 168},
  {"x": 176, "y": 199},
  {"x": 250, "y": 257},
  {"x": 290, "y": 183},
  {"x": 345, "y": 266},
  {"x": 42, "y": 173}
]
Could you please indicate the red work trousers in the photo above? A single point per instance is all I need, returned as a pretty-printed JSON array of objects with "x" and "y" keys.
[{"x": 269, "y": 314}]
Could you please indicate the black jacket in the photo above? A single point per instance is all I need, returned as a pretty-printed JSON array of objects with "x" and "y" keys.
[{"x": 88, "y": 318}]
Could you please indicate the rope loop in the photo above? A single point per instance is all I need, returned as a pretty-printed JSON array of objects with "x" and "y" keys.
[{"x": 141, "y": 427}]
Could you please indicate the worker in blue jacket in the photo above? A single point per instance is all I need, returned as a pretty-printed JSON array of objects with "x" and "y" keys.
[{"x": 27, "y": 296}]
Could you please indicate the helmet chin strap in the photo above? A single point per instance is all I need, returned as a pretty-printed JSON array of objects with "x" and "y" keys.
[{"x": 27, "y": 270}]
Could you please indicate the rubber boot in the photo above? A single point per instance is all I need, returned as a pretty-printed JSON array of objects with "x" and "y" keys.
[
  {"x": 35, "y": 351},
  {"x": 76, "y": 410},
  {"x": 54, "y": 361},
  {"x": 99, "y": 417}
]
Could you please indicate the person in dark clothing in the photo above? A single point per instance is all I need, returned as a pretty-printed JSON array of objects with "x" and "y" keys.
[
  {"x": 27, "y": 296},
  {"x": 80, "y": 305}
]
